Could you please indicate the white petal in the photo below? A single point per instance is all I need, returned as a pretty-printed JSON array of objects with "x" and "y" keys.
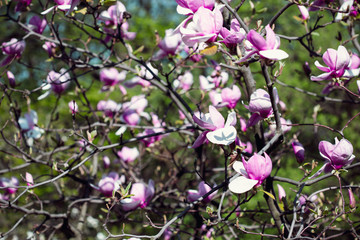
[
  {"x": 47, "y": 93},
  {"x": 231, "y": 119},
  {"x": 242, "y": 184},
  {"x": 239, "y": 167},
  {"x": 274, "y": 54},
  {"x": 47, "y": 10},
  {"x": 183, "y": 11},
  {"x": 120, "y": 131},
  {"x": 223, "y": 136}
]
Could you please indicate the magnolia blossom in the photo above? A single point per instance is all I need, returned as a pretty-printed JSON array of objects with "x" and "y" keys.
[
  {"x": 109, "y": 107},
  {"x": 111, "y": 77},
  {"x": 285, "y": 127},
  {"x": 338, "y": 62},
  {"x": 128, "y": 154},
  {"x": 50, "y": 48},
  {"x": 205, "y": 26},
  {"x": 231, "y": 96},
  {"x": 58, "y": 82},
  {"x": 265, "y": 48},
  {"x": 63, "y": 5},
  {"x": 110, "y": 183},
  {"x": 169, "y": 45},
  {"x": 9, "y": 186},
  {"x": 344, "y": 10},
  {"x": 260, "y": 106},
  {"x": 336, "y": 155},
  {"x": 216, "y": 99},
  {"x": 37, "y": 24},
  {"x": 28, "y": 125},
  {"x": 144, "y": 77},
  {"x": 253, "y": 173},
  {"x": 134, "y": 109},
  {"x": 142, "y": 196},
  {"x": 232, "y": 37},
  {"x": 218, "y": 131},
  {"x": 306, "y": 203},
  {"x": 13, "y": 49},
  {"x": 184, "y": 81},
  {"x": 194, "y": 195},
  {"x": 299, "y": 151},
  {"x": 247, "y": 147},
  {"x": 188, "y": 7},
  {"x": 113, "y": 17}
]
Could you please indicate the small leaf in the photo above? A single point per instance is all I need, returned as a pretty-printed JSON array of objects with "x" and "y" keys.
[
  {"x": 139, "y": 50},
  {"x": 209, "y": 51},
  {"x": 104, "y": 210},
  {"x": 267, "y": 193},
  {"x": 82, "y": 11}
]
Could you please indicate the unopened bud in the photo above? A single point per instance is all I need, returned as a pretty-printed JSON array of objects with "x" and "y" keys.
[{"x": 352, "y": 201}]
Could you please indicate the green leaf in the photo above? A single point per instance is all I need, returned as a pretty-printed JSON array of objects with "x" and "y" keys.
[{"x": 267, "y": 193}]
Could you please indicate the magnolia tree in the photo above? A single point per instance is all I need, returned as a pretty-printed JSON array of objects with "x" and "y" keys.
[{"x": 194, "y": 133}]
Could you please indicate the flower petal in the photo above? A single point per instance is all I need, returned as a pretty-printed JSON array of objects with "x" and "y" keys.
[
  {"x": 274, "y": 54},
  {"x": 223, "y": 136},
  {"x": 242, "y": 184}
]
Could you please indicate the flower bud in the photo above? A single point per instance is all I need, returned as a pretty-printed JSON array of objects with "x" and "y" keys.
[
  {"x": 299, "y": 151},
  {"x": 352, "y": 201},
  {"x": 281, "y": 191}
]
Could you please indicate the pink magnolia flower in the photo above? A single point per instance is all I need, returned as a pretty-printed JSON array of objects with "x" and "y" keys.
[
  {"x": 205, "y": 27},
  {"x": 113, "y": 17},
  {"x": 184, "y": 81},
  {"x": 63, "y": 5},
  {"x": 13, "y": 49},
  {"x": 216, "y": 99},
  {"x": 28, "y": 125},
  {"x": 58, "y": 82},
  {"x": 29, "y": 179},
  {"x": 110, "y": 183},
  {"x": 285, "y": 127},
  {"x": 9, "y": 185},
  {"x": 218, "y": 132},
  {"x": 11, "y": 79},
  {"x": 260, "y": 106},
  {"x": 299, "y": 151},
  {"x": 188, "y": 7},
  {"x": 37, "y": 24},
  {"x": 74, "y": 108},
  {"x": 144, "y": 78},
  {"x": 203, "y": 188},
  {"x": 317, "y": 4},
  {"x": 50, "y": 48},
  {"x": 336, "y": 155},
  {"x": 233, "y": 36},
  {"x": 253, "y": 173},
  {"x": 111, "y": 76},
  {"x": 344, "y": 10},
  {"x": 231, "y": 96},
  {"x": 142, "y": 196},
  {"x": 265, "y": 48},
  {"x": 169, "y": 45},
  {"x": 128, "y": 154},
  {"x": 134, "y": 109},
  {"x": 337, "y": 62},
  {"x": 109, "y": 107}
]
